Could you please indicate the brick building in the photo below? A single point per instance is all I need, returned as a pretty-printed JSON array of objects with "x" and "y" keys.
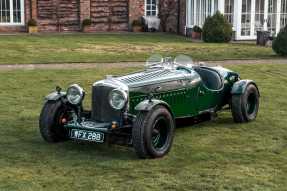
[{"x": 67, "y": 15}]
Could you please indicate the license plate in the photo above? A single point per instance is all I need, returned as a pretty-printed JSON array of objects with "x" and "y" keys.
[{"x": 87, "y": 135}]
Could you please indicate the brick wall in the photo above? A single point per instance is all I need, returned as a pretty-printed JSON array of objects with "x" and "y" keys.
[
  {"x": 109, "y": 15},
  {"x": 58, "y": 15},
  {"x": 106, "y": 15},
  {"x": 136, "y": 9}
]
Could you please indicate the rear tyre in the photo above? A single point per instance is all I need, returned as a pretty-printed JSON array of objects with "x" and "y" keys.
[
  {"x": 153, "y": 132},
  {"x": 51, "y": 122},
  {"x": 245, "y": 106}
]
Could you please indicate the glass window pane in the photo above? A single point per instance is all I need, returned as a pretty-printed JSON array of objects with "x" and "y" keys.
[
  {"x": 6, "y": 8},
  {"x": 283, "y": 18},
  {"x": 4, "y": 11},
  {"x": 151, "y": 7}
]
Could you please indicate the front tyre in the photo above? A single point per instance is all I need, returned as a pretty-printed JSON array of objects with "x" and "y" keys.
[
  {"x": 245, "y": 106},
  {"x": 51, "y": 121},
  {"x": 153, "y": 132}
]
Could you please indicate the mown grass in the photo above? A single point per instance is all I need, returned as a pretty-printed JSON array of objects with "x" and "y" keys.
[
  {"x": 24, "y": 49},
  {"x": 216, "y": 155}
]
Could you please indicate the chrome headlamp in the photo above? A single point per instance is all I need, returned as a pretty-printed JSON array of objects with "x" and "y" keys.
[
  {"x": 75, "y": 94},
  {"x": 118, "y": 99}
]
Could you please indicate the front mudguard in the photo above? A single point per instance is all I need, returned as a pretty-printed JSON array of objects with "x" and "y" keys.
[
  {"x": 240, "y": 86},
  {"x": 148, "y": 105},
  {"x": 55, "y": 96}
]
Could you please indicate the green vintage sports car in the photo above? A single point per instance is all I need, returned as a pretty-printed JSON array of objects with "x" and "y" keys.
[{"x": 140, "y": 109}]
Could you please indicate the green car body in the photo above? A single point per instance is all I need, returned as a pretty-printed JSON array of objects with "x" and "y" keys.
[{"x": 184, "y": 91}]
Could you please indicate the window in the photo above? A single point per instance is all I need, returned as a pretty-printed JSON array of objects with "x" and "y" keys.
[
  {"x": 259, "y": 15},
  {"x": 229, "y": 10},
  {"x": 11, "y": 11},
  {"x": 246, "y": 18},
  {"x": 199, "y": 10},
  {"x": 283, "y": 19},
  {"x": 205, "y": 10},
  {"x": 272, "y": 16},
  {"x": 151, "y": 8}
]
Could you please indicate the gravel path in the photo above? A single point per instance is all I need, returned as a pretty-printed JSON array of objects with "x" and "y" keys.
[{"x": 126, "y": 64}]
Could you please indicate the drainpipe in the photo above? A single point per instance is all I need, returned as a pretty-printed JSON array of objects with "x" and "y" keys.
[
  {"x": 30, "y": 9},
  {"x": 178, "y": 16}
]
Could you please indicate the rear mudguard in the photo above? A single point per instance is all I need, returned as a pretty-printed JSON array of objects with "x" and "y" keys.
[
  {"x": 148, "y": 105},
  {"x": 240, "y": 86}
]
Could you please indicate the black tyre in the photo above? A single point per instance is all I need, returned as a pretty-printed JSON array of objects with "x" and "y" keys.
[
  {"x": 245, "y": 106},
  {"x": 153, "y": 132},
  {"x": 51, "y": 121}
]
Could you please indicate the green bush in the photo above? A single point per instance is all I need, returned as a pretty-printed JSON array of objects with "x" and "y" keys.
[
  {"x": 136, "y": 23},
  {"x": 32, "y": 23},
  {"x": 196, "y": 29},
  {"x": 217, "y": 29},
  {"x": 279, "y": 44},
  {"x": 86, "y": 22}
]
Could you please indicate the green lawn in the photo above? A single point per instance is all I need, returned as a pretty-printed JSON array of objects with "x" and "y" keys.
[
  {"x": 25, "y": 49},
  {"x": 218, "y": 155}
]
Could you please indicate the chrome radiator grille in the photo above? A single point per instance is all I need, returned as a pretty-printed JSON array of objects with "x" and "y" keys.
[{"x": 101, "y": 109}]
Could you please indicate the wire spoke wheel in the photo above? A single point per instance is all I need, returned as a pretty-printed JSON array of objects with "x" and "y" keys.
[{"x": 160, "y": 132}]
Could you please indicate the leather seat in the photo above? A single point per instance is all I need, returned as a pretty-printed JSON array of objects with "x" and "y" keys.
[{"x": 210, "y": 78}]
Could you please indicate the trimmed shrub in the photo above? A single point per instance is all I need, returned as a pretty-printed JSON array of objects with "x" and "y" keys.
[
  {"x": 136, "y": 23},
  {"x": 86, "y": 22},
  {"x": 217, "y": 29},
  {"x": 196, "y": 29},
  {"x": 279, "y": 44},
  {"x": 32, "y": 23}
]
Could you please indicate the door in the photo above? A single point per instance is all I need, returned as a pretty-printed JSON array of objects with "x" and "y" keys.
[
  {"x": 246, "y": 19},
  {"x": 208, "y": 99},
  {"x": 272, "y": 16},
  {"x": 258, "y": 15},
  {"x": 210, "y": 89}
]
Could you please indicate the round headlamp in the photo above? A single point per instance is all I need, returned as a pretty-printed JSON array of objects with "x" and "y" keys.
[
  {"x": 75, "y": 94},
  {"x": 118, "y": 99}
]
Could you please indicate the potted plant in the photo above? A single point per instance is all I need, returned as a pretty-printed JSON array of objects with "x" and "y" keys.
[
  {"x": 196, "y": 32},
  {"x": 137, "y": 26},
  {"x": 32, "y": 26},
  {"x": 86, "y": 25}
]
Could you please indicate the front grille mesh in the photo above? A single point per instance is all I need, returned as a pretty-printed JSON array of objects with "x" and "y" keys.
[{"x": 101, "y": 109}]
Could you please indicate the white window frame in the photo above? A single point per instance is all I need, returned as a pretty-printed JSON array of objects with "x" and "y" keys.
[
  {"x": 283, "y": 16},
  {"x": 145, "y": 9},
  {"x": 195, "y": 17},
  {"x": 229, "y": 14},
  {"x": 12, "y": 23}
]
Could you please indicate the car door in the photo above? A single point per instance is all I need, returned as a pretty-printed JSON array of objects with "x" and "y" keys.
[
  {"x": 207, "y": 99},
  {"x": 210, "y": 89}
]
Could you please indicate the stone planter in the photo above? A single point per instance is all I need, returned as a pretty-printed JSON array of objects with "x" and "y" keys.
[
  {"x": 137, "y": 28},
  {"x": 87, "y": 29},
  {"x": 196, "y": 35},
  {"x": 32, "y": 29}
]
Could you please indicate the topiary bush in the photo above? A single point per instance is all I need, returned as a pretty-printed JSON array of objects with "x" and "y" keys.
[
  {"x": 87, "y": 22},
  {"x": 279, "y": 44},
  {"x": 196, "y": 29},
  {"x": 216, "y": 29},
  {"x": 32, "y": 23}
]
